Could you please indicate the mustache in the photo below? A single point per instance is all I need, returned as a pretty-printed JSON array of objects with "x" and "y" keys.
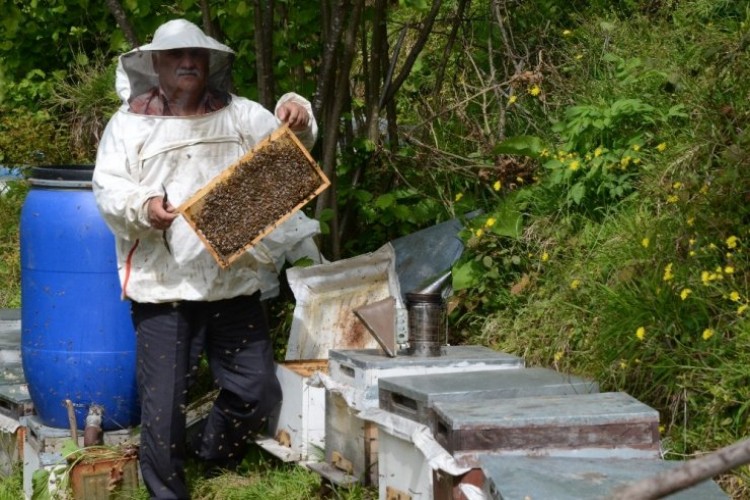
[{"x": 188, "y": 72}]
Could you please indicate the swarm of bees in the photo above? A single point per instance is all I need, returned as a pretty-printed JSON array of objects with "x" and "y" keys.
[{"x": 254, "y": 195}]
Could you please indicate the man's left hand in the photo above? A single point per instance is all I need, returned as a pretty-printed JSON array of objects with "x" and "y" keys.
[{"x": 293, "y": 115}]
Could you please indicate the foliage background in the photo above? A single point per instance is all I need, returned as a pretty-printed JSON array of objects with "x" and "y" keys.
[{"x": 605, "y": 142}]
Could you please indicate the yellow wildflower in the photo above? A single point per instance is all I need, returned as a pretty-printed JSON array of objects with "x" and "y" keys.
[
  {"x": 519, "y": 179},
  {"x": 742, "y": 309},
  {"x": 729, "y": 270},
  {"x": 672, "y": 198},
  {"x": 668, "y": 276},
  {"x": 567, "y": 33},
  {"x": 545, "y": 257},
  {"x": 640, "y": 333},
  {"x": 690, "y": 221},
  {"x": 479, "y": 232},
  {"x": 704, "y": 189},
  {"x": 661, "y": 147},
  {"x": 636, "y": 161},
  {"x": 708, "y": 333},
  {"x": 705, "y": 277},
  {"x": 544, "y": 153},
  {"x": 645, "y": 242},
  {"x": 535, "y": 90},
  {"x": 512, "y": 99},
  {"x": 575, "y": 284},
  {"x": 732, "y": 242},
  {"x": 623, "y": 365},
  {"x": 574, "y": 165},
  {"x": 559, "y": 355},
  {"x": 734, "y": 296},
  {"x": 691, "y": 253},
  {"x": 459, "y": 196},
  {"x": 685, "y": 293},
  {"x": 598, "y": 152},
  {"x": 579, "y": 57},
  {"x": 490, "y": 222},
  {"x": 677, "y": 185},
  {"x": 497, "y": 185},
  {"x": 636, "y": 147},
  {"x": 625, "y": 161},
  {"x": 662, "y": 429}
]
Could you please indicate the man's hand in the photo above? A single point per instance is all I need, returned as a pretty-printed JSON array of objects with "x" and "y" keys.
[
  {"x": 160, "y": 216},
  {"x": 293, "y": 115}
]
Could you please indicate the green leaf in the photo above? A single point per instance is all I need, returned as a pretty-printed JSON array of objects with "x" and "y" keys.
[
  {"x": 508, "y": 219},
  {"x": 40, "y": 485},
  {"x": 577, "y": 192},
  {"x": 69, "y": 447},
  {"x": 385, "y": 201},
  {"x": 524, "y": 145},
  {"x": 463, "y": 276}
]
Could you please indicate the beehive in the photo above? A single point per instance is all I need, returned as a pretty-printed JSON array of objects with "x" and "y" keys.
[{"x": 254, "y": 195}]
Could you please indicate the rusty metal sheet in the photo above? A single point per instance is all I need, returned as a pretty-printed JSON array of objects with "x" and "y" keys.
[
  {"x": 98, "y": 478},
  {"x": 326, "y": 296}
]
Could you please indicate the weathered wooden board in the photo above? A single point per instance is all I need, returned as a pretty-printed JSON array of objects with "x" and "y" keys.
[{"x": 254, "y": 195}]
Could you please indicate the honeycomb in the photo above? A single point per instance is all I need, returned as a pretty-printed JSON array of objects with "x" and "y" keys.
[{"x": 254, "y": 195}]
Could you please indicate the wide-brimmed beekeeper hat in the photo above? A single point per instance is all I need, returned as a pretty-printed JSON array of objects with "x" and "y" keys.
[{"x": 135, "y": 70}]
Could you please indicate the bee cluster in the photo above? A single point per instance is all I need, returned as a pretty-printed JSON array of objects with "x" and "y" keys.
[{"x": 254, "y": 195}]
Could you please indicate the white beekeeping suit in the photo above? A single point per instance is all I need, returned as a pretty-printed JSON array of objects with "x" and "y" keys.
[{"x": 141, "y": 156}]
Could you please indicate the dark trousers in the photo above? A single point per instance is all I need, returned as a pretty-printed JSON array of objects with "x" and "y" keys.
[{"x": 234, "y": 334}]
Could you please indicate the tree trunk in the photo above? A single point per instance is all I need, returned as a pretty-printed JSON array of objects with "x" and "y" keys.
[
  {"x": 264, "y": 52},
  {"x": 457, "y": 20},
  {"x": 332, "y": 116},
  {"x": 122, "y": 21},
  {"x": 393, "y": 87}
]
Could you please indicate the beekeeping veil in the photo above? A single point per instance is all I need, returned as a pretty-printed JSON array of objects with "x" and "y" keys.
[{"x": 135, "y": 70}]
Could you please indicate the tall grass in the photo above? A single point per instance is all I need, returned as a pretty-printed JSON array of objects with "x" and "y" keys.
[{"x": 646, "y": 290}]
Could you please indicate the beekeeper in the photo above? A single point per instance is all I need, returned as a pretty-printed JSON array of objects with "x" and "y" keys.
[{"x": 178, "y": 127}]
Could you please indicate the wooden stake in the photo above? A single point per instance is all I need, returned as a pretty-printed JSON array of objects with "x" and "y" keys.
[{"x": 72, "y": 421}]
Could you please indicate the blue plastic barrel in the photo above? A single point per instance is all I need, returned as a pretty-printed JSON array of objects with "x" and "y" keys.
[{"x": 77, "y": 339}]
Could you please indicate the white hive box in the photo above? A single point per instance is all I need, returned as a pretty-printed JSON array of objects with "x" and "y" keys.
[
  {"x": 352, "y": 442},
  {"x": 297, "y": 431},
  {"x": 402, "y": 466},
  {"x": 326, "y": 296},
  {"x": 597, "y": 427}
]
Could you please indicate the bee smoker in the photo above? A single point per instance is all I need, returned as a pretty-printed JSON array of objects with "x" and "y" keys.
[{"x": 427, "y": 323}]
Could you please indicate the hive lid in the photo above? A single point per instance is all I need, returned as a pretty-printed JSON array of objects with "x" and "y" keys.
[
  {"x": 567, "y": 478},
  {"x": 326, "y": 296},
  {"x": 482, "y": 384},
  {"x": 254, "y": 195}
]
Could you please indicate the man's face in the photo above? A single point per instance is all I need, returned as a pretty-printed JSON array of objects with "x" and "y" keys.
[{"x": 182, "y": 70}]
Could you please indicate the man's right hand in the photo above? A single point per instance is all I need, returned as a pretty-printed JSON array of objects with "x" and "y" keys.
[{"x": 160, "y": 216}]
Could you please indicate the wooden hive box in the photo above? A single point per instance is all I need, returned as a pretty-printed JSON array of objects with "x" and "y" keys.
[{"x": 254, "y": 195}]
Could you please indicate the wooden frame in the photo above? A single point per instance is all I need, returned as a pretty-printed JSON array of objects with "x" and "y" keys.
[{"x": 192, "y": 209}]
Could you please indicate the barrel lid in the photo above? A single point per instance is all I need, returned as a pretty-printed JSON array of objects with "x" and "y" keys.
[{"x": 62, "y": 176}]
